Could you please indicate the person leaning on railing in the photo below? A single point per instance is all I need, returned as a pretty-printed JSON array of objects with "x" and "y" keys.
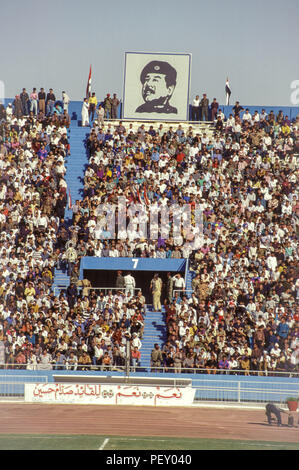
[
  {"x": 211, "y": 364},
  {"x": 245, "y": 364},
  {"x": 84, "y": 361},
  {"x": 223, "y": 365},
  {"x": 135, "y": 357}
]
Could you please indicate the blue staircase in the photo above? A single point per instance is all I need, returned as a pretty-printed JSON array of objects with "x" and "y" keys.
[
  {"x": 75, "y": 168},
  {"x": 76, "y": 164},
  {"x": 154, "y": 332},
  {"x": 189, "y": 277},
  {"x": 61, "y": 281}
]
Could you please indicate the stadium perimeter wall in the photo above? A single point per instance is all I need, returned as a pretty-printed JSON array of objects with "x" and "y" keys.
[{"x": 219, "y": 387}]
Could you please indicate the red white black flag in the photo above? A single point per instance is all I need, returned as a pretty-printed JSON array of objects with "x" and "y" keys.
[
  {"x": 88, "y": 88},
  {"x": 227, "y": 91},
  {"x": 69, "y": 200},
  {"x": 147, "y": 202}
]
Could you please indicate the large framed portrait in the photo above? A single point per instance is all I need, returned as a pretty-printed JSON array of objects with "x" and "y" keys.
[{"x": 156, "y": 86}]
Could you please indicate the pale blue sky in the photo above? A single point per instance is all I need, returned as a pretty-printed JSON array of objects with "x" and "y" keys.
[{"x": 52, "y": 43}]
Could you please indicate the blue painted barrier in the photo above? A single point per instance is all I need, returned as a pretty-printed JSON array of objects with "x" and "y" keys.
[{"x": 232, "y": 388}]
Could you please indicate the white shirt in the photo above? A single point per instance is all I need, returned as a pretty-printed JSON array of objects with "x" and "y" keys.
[
  {"x": 179, "y": 282},
  {"x": 129, "y": 281}
]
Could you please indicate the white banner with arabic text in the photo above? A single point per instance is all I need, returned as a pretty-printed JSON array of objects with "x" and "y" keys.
[{"x": 109, "y": 394}]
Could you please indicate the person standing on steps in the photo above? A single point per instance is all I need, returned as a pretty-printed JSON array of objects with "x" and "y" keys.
[
  {"x": 169, "y": 287},
  {"x": 178, "y": 283},
  {"x": 156, "y": 358},
  {"x": 120, "y": 281},
  {"x": 50, "y": 101},
  {"x": 156, "y": 289},
  {"x": 115, "y": 104},
  {"x": 84, "y": 113},
  {"x": 204, "y": 107},
  {"x": 108, "y": 106},
  {"x": 42, "y": 101},
  {"x": 130, "y": 284},
  {"x": 92, "y": 102},
  {"x": 66, "y": 101}
]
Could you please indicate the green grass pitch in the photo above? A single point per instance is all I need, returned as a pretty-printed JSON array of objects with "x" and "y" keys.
[{"x": 121, "y": 443}]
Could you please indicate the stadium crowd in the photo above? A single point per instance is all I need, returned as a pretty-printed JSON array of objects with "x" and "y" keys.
[
  {"x": 241, "y": 172},
  {"x": 78, "y": 328}
]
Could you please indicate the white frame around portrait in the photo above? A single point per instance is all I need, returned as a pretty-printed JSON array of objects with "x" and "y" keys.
[{"x": 132, "y": 98}]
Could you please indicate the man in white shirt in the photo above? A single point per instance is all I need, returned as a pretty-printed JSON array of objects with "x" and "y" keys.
[
  {"x": 178, "y": 282},
  {"x": 130, "y": 284},
  {"x": 195, "y": 108},
  {"x": 256, "y": 117},
  {"x": 66, "y": 101},
  {"x": 247, "y": 116},
  {"x": 271, "y": 262},
  {"x": 275, "y": 351}
]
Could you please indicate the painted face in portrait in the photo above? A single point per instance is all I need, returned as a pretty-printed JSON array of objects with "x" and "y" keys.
[{"x": 155, "y": 88}]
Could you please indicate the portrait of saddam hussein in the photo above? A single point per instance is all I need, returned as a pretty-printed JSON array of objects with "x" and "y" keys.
[{"x": 158, "y": 81}]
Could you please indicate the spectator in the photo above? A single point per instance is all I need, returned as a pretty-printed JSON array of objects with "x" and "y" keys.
[
  {"x": 196, "y": 109},
  {"x": 50, "y": 101},
  {"x": 242, "y": 175},
  {"x": 108, "y": 106},
  {"x": 204, "y": 108},
  {"x": 65, "y": 101},
  {"x": 135, "y": 358},
  {"x": 100, "y": 112},
  {"x": 156, "y": 358},
  {"x": 92, "y": 104},
  {"x": 24, "y": 97},
  {"x": 33, "y": 101},
  {"x": 214, "y": 109},
  {"x": 42, "y": 101},
  {"x": 115, "y": 104},
  {"x": 85, "y": 113}
]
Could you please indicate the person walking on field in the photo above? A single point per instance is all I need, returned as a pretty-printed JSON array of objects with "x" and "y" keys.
[{"x": 156, "y": 289}]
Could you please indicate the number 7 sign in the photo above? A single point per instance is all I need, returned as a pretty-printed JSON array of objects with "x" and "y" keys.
[{"x": 135, "y": 262}]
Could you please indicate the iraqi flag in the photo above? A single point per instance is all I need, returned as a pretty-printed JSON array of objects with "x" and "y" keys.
[
  {"x": 135, "y": 194},
  {"x": 138, "y": 195},
  {"x": 69, "y": 200},
  {"x": 88, "y": 88},
  {"x": 147, "y": 202},
  {"x": 228, "y": 92}
]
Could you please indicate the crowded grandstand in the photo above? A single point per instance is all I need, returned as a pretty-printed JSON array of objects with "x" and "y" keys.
[{"x": 241, "y": 315}]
